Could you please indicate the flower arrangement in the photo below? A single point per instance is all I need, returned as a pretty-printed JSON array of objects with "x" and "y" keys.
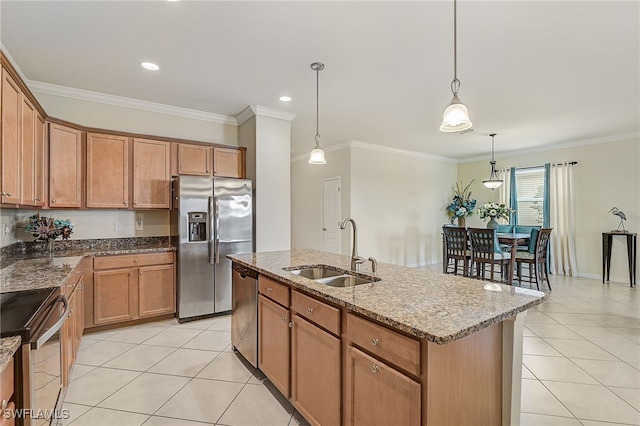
[
  {"x": 48, "y": 228},
  {"x": 494, "y": 211},
  {"x": 462, "y": 204}
]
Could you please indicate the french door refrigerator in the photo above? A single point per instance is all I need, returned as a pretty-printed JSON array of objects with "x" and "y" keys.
[{"x": 212, "y": 217}]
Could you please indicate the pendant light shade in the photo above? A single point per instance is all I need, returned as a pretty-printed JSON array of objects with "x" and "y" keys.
[
  {"x": 456, "y": 115},
  {"x": 317, "y": 154},
  {"x": 493, "y": 182}
]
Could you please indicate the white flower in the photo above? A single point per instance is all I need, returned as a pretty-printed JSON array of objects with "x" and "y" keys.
[{"x": 493, "y": 212}]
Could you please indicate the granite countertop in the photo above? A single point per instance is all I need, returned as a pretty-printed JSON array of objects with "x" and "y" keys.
[
  {"x": 430, "y": 305},
  {"x": 32, "y": 271},
  {"x": 8, "y": 347}
]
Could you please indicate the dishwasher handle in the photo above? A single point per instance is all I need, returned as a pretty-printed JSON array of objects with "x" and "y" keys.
[{"x": 244, "y": 271}]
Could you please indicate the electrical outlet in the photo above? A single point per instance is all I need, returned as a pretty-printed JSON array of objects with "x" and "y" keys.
[
  {"x": 7, "y": 229},
  {"x": 117, "y": 227},
  {"x": 139, "y": 224}
]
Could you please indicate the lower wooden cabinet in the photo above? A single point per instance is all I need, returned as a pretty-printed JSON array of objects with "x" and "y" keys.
[
  {"x": 274, "y": 343},
  {"x": 315, "y": 373},
  {"x": 379, "y": 395},
  {"x": 123, "y": 292}
]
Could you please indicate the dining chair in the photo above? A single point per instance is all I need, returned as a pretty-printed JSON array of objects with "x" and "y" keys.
[
  {"x": 486, "y": 252},
  {"x": 536, "y": 258},
  {"x": 456, "y": 249}
]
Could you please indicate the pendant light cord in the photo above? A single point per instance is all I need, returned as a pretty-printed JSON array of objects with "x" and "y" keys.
[
  {"x": 455, "y": 84},
  {"x": 317, "y": 105}
]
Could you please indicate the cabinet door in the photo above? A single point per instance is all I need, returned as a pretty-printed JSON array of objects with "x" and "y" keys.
[
  {"x": 65, "y": 166},
  {"x": 156, "y": 290},
  {"x": 10, "y": 140},
  {"x": 27, "y": 152},
  {"x": 378, "y": 394},
  {"x": 194, "y": 160},
  {"x": 315, "y": 373},
  {"x": 40, "y": 172},
  {"x": 151, "y": 174},
  {"x": 274, "y": 343},
  {"x": 228, "y": 162},
  {"x": 107, "y": 171},
  {"x": 113, "y": 296}
]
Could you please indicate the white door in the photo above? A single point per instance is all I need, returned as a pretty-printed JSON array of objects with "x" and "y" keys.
[{"x": 331, "y": 214}]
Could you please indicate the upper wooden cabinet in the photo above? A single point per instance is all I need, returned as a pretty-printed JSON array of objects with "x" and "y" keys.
[
  {"x": 107, "y": 171},
  {"x": 194, "y": 160},
  {"x": 65, "y": 166},
  {"x": 10, "y": 140},
  {"x": 151, "y": 174},
  {"x": 228, "y": 162}
]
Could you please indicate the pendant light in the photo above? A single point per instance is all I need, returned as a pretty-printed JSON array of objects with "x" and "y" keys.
[
  {"x": 456, "y": 115},
  {"x": 317, "y": 154},
  {"x": 493, "y": 182}
]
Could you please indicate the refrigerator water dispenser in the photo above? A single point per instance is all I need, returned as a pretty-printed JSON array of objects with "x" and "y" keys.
[{"x": 197, "y": 226}]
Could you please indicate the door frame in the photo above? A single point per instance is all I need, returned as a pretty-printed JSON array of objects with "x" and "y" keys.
[{"x": 322, "y": 182}]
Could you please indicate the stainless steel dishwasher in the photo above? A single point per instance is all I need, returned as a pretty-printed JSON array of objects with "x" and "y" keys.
[{"x": 244, "y": 312}]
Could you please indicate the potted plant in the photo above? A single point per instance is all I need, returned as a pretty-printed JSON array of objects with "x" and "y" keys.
[
  {"x": 494, "y": 211},
  {"x": 462, "y": 205},
  {"x": 47, "y": 229}
]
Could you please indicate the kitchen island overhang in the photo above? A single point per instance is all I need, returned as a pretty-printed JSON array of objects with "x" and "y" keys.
[{"x": 446, "y": 312}]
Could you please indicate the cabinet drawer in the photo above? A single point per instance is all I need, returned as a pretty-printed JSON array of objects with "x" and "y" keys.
[
  {"x": 6, "y": 381},
  {"x": 274, "y": 290},
  {"x": 393, "y": 347},
  {"x": 318, "y": 312},
  {"x": 132, "y": 260}
]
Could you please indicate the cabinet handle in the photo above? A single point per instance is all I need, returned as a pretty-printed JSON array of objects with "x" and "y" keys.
[
  {"x": 269, "y": 289},
  {"x": 70, "y": 312},
  {"x": 5, "y": 402},
  {"x": 130, "y": 274},
  {"x": 291, "y": 324},
  {"x": 82, "y": 286},
  {"x": 310, "y": 310},
  {"x": 53, "y": 201},
  {"x": 375, "y": 341},
  {"x": 135, "y": 203},
  {"x": 36, "y": 199},
  {"x": 284, "y": 318},
  {"x": 135, "y": 260},
  {"x": 6, "y": 194},
  {"x": 140, "y": 272},
  {"x": 375, "y": 368}
]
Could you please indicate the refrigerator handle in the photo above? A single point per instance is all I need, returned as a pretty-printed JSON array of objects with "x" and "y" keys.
[
  {"x": 217, "y": 230},
  {"x": 210, "y": 233}
]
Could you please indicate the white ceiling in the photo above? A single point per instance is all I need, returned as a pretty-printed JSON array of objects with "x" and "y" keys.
[{"x": 535, "y": 72}]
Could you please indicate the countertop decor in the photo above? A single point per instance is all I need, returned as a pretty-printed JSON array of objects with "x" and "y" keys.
[
  {"x": 440, "y": 308},
  {"x": 48, "y": 229},
  {"x": 462, "y": 205}
]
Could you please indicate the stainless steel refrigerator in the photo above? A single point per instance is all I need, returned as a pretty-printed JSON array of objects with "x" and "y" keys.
[{"x": 212, "y": 217}]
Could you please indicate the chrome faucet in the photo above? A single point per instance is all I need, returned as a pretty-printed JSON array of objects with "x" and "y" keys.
[{"x": 355, "y": 259}]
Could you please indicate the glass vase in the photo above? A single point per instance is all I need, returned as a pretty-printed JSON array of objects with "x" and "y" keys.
[
  {"x": 492, "y": 224},
  {"x": 50, "y": 248}
]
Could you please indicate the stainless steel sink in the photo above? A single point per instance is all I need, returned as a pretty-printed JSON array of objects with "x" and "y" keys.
[
  {"x": 331, "y": 276},
  {"x": 316, "y": 272}
]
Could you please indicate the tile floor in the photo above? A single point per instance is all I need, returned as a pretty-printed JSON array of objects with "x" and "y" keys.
[{"x": 581, "y": 366}]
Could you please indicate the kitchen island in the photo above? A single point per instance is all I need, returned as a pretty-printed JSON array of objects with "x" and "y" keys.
[{"x": 453, "y": 351}]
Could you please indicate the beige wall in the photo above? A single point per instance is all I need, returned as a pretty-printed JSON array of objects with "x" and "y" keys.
[
  {"x": 306, "y": 197},
  {"x": 607, "y": 175},
  {"x": 112, "y": 117},
  {"x": 90, "y": 224},
  {"x": 397, "y": 200}
]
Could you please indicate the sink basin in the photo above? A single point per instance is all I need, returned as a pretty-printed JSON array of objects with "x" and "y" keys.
[
  {"x": 316, "y": 272},
  {"x": 331, "y": 276},
  {"x": 346, "y": 281}
]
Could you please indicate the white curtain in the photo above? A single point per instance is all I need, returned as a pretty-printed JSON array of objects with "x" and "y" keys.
[
  {"x": 562, "y": 208},
  {"x": 505, "y": 189}
]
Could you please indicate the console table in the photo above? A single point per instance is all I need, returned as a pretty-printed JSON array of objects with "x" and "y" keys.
[{"x": 632, "y": 250}]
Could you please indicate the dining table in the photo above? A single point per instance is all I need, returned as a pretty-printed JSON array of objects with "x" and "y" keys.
[{"x": 513, "y": 239}]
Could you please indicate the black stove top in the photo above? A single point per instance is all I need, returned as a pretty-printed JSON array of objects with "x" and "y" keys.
[{"x": 22, "y": 312}]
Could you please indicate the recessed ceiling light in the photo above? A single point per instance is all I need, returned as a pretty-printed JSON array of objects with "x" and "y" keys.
[
  {"x": 285, "y": 98},
  {"x": 150, "y": 66}
]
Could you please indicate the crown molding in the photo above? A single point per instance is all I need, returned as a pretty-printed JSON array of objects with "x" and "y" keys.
[
  {"x": 255, "y": 110},
  {"x": 120, "y": 101},
  {"x": 379, "y": 148},
  {"x": 12, "y": 62},
  {"x": 575, "y": 144}
]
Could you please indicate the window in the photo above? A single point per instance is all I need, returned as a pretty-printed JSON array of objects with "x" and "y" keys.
[{"x": 530, "y": 195}]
